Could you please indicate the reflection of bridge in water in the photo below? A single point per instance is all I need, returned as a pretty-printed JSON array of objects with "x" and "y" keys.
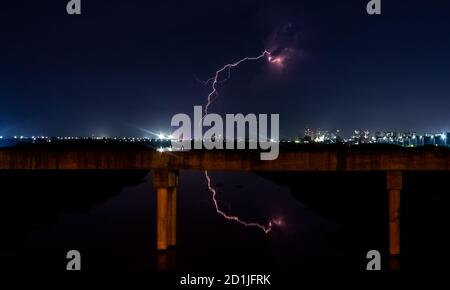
[{"x": 165, "y": 167}]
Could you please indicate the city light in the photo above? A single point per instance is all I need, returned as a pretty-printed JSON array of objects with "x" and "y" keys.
[{"x": 359, "y": 137}]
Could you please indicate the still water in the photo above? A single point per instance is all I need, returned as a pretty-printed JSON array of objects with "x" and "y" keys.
[{"x": 329, "y": 222}]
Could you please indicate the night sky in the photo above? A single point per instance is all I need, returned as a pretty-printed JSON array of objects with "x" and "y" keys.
[{"x": 125, "y": 65}]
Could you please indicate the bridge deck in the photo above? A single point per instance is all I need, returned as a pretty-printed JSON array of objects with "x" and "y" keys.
[{"x": 350, "y": 159}]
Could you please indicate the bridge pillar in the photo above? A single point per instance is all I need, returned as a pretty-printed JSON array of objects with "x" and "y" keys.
[
  {"x": 172, "y": 221},
  {"x": 394, "y": 185},
  {"x": 165, "y": 182}
]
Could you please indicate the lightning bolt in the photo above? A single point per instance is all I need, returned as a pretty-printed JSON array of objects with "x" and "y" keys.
[
  {"x": 211, "y": 97},
  {"x": 215, "y": 80},
  {"x": 266, "y": 228}
]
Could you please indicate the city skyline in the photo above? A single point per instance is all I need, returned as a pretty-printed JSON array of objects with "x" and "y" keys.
[{"x": 312, "y": 135}]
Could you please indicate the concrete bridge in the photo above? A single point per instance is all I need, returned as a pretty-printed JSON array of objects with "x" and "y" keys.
[{"x": 165, "y": 167}]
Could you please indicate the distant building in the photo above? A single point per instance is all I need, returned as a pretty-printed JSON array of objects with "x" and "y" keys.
[
  {"x": 428, "y": 139},
  {"x": 440, "y": 139}
]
